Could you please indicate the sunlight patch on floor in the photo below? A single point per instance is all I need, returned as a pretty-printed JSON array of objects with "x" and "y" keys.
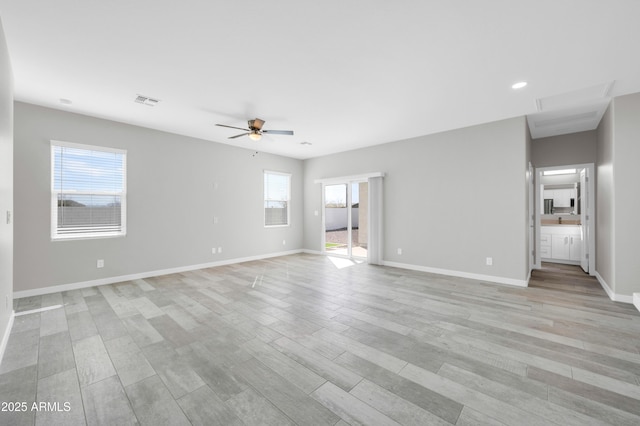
[{"x": 341, "y": 262}]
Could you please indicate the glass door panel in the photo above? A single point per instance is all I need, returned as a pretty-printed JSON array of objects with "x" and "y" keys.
[
  {"x": 346, "y": 214},
  {"x": 336, "y": 220}
]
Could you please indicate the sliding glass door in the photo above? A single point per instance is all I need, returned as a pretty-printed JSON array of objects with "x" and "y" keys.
[{"x": 346, "y": 218}]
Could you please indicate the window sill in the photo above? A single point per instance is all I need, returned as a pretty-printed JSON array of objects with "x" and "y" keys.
[{"x": 87, "y": 236}]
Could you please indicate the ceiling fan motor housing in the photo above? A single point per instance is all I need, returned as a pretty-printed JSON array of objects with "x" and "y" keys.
[{"x": 256, "y": 124}]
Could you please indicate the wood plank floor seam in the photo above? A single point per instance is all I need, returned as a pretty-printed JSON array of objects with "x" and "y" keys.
[{"x": 295, "y": 340}]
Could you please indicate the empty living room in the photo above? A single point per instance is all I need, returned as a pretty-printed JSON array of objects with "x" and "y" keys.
[{"x": 341, "y": 213}]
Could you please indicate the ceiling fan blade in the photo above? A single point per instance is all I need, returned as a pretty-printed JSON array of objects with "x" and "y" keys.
[
  {"x": 237, "y": 136},
  {"x": 279, "y": 132},
  {"x": 232, "y": 127}
]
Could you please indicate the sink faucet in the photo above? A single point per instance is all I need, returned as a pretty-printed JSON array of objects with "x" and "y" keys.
[{"x": 560, "y": 219}]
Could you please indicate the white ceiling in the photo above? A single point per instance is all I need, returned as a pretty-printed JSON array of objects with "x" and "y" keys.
[{"x": 341, "y": 74}]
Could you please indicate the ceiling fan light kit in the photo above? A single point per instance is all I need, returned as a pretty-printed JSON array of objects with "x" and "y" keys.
[
  {"x": 255, "y": 135},
  {"x": 255, "y": 130}
]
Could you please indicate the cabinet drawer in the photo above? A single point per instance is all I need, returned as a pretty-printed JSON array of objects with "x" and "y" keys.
[
  {"x": 545, "y": 240},
  {"x": 545, "y": 252}
]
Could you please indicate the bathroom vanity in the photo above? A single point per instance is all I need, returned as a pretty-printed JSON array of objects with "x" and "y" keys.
[{"x": 561, "y": 243}]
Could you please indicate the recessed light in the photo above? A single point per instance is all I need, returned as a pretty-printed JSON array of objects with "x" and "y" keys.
[
  {"x": 519, "y": 85},
  {"x": 64, "y": 101}
]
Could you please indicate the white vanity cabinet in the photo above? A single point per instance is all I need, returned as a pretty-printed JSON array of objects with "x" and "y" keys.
[
  {"x": 560, "y": 246},
  {"x": 561, "y": 242},
  {"x": 545, "y": 245}
]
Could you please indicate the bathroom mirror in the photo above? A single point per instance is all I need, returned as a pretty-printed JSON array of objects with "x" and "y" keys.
[{"x": 560, "y": 199}]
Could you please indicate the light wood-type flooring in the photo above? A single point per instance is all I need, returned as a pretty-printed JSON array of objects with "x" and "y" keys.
[{"x": 297, "y": 340}]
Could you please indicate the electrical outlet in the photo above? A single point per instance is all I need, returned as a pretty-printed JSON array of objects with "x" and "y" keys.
[
  {"x": 400, "y": 251},
  {"x": 100, "y": 263},
  {"x": 315, "y": 212},
  {"x": 219, "y": 249},
  {"x": 489, "y": 261},
  {"x": 284, "y": 242},
  {"x": 213, "y": 250},
  {"x": 215, "y": 219}
]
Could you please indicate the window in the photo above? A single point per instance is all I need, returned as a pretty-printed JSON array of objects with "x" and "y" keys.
[
  {"x": 277, "y": 194},
  {"x": 88, "y": 191}
]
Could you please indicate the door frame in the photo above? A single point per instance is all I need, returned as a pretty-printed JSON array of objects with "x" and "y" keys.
[
  {"x": 349, "y": 188},
  {"x": 344, "y": 180},
  {"x": 590, "y": 233}
]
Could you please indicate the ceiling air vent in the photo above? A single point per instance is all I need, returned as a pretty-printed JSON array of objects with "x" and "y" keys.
[
  {"x": 145, "y": 100},
  {"x": 575, "y": 98}
]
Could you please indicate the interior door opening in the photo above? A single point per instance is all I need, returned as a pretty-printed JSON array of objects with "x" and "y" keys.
[
  {"x": 565, "y": 216},
  {"x": 346, "y": 216}
]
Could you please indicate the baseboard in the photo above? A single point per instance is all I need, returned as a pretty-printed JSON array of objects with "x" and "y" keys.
[
  {"x": 636, "y": 300},
  {"x": 307, "y": 251},
  {"x": 479, "y": 277},
  {"x": 612, "y": 295},
  {"x": 142, "y": 275},
  {"x": 5, "y": 337},
  {"x": 562, "y": 261}
]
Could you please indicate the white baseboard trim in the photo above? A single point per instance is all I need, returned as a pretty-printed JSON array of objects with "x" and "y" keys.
[
  {"x": 636, "y": 300},
  {"x": 612, "y": 295},
  {"x": 5, "y": 337},
  {"x": 479, "y": 277},
  {"x": 307, "y": 251},
  {"x": 564, "y": 262},
  {"x": 605, "y": 286},
  {"x": 142, "y": 275}
]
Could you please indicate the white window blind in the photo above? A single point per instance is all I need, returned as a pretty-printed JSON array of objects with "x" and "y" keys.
[
  {"x": 277, "y": 194},
  {"x": 88, "y": 197}
]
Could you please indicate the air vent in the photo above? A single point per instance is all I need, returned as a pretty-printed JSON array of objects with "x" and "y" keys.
[
  {"x": 575, "y": 98},
  {"x": 145, "y": 100}
]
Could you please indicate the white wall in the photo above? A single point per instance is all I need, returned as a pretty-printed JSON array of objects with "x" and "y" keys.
[
  {"x": 605, "y": 201},
  {"x": 6, "y": 191},
  {"x": 618, "y": 198},
  {"x": 626, "y": 161},
  {"x": 450, "y": 199},
  {"x": 171, "y": 202},
  {"x": 573, "y": 148}
]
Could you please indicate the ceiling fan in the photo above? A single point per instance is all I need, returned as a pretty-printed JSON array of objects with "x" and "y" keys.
[{"x": 255, "y": 130}]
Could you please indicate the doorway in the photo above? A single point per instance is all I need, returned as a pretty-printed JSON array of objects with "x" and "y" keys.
[
  {"x": 565, "y": 216},
  {"x": 346, "y": 216}
]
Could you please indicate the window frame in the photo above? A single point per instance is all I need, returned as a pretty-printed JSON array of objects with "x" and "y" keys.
[
  {"x": 265, "y": 199},
  {"x": 55, "y": 234}
]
